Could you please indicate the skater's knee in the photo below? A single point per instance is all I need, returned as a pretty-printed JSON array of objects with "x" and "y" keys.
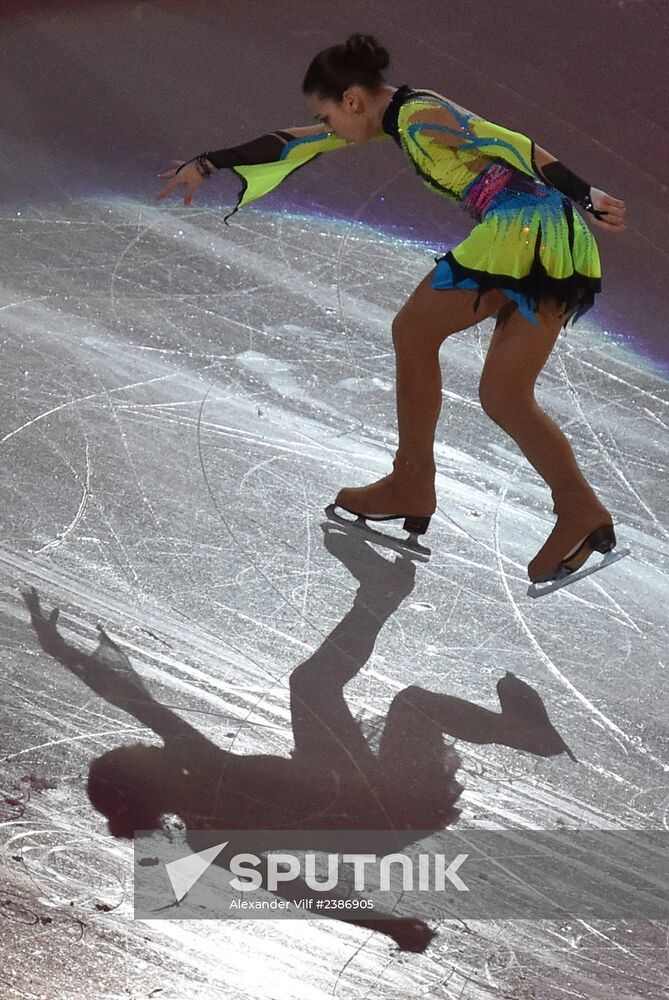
[
  {"x": 415, "y": 341},
  {"x": 401, "y": 330},
  {"x": 505, "y": 403},
  {"x": 491, "y": 400}
]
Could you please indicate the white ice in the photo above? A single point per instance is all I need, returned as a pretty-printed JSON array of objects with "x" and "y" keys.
[{"x": 180, "y": 402}]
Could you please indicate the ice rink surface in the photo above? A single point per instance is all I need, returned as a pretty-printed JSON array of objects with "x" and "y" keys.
[{"x": 180, "y": 402}]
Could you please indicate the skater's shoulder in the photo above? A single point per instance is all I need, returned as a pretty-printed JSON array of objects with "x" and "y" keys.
[{"x": 424, "y": 107}]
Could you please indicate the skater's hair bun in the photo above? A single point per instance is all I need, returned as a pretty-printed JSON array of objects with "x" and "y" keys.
[
  {"x": 367, "y": 52},
  {"x": 360, "y": 61}
]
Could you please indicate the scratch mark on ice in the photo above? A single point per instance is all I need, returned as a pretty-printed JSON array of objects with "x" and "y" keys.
[
  {"x": 83, "y": 399},
  {"x": 62, "y": 535},
  {"x": 118, "y": 731}
]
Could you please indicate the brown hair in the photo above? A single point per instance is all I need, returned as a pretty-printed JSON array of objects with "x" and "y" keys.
[{"x": 361, "y": 60}]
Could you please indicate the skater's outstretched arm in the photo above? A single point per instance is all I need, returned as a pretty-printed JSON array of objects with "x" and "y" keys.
[
  {"x": 429, "y": 131},
  {"x": 262, "y": 164},
  {"x": 108, "y": 672}
]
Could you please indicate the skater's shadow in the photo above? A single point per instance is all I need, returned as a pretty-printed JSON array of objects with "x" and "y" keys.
[{"x": 334, "y": 780}]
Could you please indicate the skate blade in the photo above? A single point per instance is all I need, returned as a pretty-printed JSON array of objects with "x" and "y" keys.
[
  {"x": 402, "y": 545},
  {"x": 541, "y": 589}
]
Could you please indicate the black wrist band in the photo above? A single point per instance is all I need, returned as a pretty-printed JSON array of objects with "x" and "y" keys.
[
  {"x": 570, "y": 184},
  {"x": 201, "y": 165}
]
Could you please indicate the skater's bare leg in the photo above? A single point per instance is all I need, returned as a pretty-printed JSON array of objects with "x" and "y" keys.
[
  {"x": 428, "y": 317},
  {"x": 518, "y": 351}
]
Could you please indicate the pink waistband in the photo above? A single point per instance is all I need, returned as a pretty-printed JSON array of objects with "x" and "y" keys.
[{"x": 485, "y": 187}]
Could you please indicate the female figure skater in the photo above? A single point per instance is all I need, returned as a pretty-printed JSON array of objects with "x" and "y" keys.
[{"x": 530, "y": 260}]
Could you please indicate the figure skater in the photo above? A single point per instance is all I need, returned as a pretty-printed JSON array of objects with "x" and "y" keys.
[{"x": 530, "y": 260}]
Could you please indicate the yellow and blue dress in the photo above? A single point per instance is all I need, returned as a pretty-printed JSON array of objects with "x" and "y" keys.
[{"x": 528, "y": 241}]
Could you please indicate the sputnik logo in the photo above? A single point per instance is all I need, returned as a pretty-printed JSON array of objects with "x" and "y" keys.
[{"x": 184, "y": 873}]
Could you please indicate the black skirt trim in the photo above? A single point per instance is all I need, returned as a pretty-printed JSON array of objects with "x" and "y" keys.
[{"x": 574, "y": 295}]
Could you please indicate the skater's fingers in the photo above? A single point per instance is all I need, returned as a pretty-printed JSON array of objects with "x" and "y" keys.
[
  {"x": 31, "y": 597},
  {"x": 175, "y": 170},
  {"x": 613, "y": 213},
  {"x": 165, "y": 191},
  {"x": 613, "y": 220},
  {"x": 172, "y": 186},
  {"x": 188, "y": 177},
  {"x": 612, "y": 205},
  {"x": 614, "y": 202},
  {"x": 183, "y": 173},
  {"x": 612, "y": 227},
  {"x": 610, "y": 210}
]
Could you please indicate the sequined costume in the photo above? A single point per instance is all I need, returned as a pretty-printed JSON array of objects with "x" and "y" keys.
[{"x": 528, "y": 241}]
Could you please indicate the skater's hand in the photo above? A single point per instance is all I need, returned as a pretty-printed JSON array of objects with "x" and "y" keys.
[
  {"x": 613, "y": 209},
  {"x": 107, "y": 671},
  {"x": 189, "y": 177},
  {"x": 46, "y": 628}
]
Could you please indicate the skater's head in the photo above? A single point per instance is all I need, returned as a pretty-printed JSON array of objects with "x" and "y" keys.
[
  {"x": 134, "y": 787},
  {"x": 346, "y": 89}
]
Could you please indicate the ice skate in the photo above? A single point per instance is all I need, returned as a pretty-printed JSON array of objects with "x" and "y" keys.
[
  {"x": 583, "y": 526},
  {"x": 403, "y": 546},
  {"x": 407, "y": 494},
  {"x": 525, "y": 719},
  {"x": 567, "y": 578}
]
